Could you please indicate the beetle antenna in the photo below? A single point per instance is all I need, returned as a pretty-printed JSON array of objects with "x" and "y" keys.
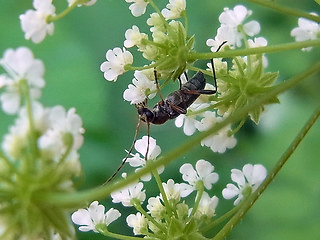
[
  {"x": 212, "y": 65},
  {"x": 128, "y": 153}
]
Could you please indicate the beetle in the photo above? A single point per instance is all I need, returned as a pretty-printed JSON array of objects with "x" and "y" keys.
[
  {"x": 172, "y": 106},
  {"x": 175, "y": 103}
]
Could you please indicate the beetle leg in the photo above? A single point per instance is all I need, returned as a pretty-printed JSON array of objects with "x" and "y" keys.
[
  {"x": 178, "y": 109},
  {"x": 128, "y": 154}
]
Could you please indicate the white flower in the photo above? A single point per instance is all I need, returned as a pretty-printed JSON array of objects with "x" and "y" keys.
[
  {"x": 189, "y": 122},
  {"x": 134, "y": 37},
  {"x": 93, "y": 216},
  {"x": 65, "y": 132},
  {"x": 174, "y": 9},
  {"x": 139, "y": 223},
  {"x": 125, "y": 195},
  {"x": 20, "y": 66},
  {"x": 155, "y": 207},
  {"x": 16, "y": 141},
  {"x": 141, "y": 146},
  {"x": 215, "y": 43},
  {"x": 117, "y": 59},
  {"x": 138, "y": 91},
  {"x": 138, "y": 7},
  {"x": 157, "y": 23},
  {"x": 207, "y": 206},
  {"x": 250, "y": 178},
  {"x": 34, "y": 23},
  {"x": 306, "y": 30},
  {"x": 204, "y": 172},
  {"x": 220, "y": 141},
  {"x": 258, "y": 42},
  {"x": 231, "y": 20},
  {"x": 88, "y": 3},
  {"x": 172, "y": 190}
]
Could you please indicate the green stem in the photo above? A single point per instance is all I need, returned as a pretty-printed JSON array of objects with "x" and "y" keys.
[
  {"x": 222, "y": 218},
  {"x": 192, "y": 56},
  {"x": 62, "y": 14},
  {"x": 7, "y": 161},
  {"x": 105, "y": 232},
  {"x": 133, "y": 68},
  {"x": 69, "y": 147},
  {"x": 159, "y": 12},
  {"x": 286, "y": 10},
  {"x": 32, "y": 138},
  {"x": 149, "y": 42},
  {"x": 252, "y": 198},
  {"x": 197, "y": 201},
  {"x": 246, "y": 44},
  {"x": 161, "y": 189},
  {"x": 105, "y": 190},
  {"x": 234, "y": 131},
  {"x": 186, "y": 21},
  {"x": 151, "y": 219}
]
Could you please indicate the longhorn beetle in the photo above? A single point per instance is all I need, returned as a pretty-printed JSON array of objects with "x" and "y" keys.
[{"x": 172, "y": 106}]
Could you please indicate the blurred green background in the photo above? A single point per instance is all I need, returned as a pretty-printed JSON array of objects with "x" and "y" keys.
[{"x": 289, "y": 209}]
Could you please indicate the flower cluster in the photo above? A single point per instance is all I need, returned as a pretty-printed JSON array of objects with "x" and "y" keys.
[
  {"x": 36, "y": 24},
  {"x": 245, "y": 80},
  {"x": 168, "y": 212},
  {"x": 43, "y": 142},
  {"x": 239, "y": 84},
  {"x": 169, "y": 49}
]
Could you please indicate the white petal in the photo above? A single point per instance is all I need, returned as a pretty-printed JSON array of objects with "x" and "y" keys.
[
  {"x": 230, "y": 191},
  {"x": 204, "y": 168},
  {"x": 238, "y": 177},
  {"x": 188, "y": 173},
  {"x": 111, "y": 215},
  {"x": 252, "y": 28}
]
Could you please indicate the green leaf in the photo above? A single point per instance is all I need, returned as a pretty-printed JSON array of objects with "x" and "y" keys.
[{"x": 268, "y": 78}]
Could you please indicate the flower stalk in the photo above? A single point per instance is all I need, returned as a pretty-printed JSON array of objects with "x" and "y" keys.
[
  {"x": 286, "y": 10},
  {"x": 103, "y": 191},
  {"x": 248, "y": 203},
  {"x": 254, "y": 51}
]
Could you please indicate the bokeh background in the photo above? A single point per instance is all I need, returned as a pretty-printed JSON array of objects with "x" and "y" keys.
[{"x": 289, "y": 209}]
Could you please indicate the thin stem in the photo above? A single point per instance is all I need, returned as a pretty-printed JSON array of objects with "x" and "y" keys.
[
  {"x": 246, "y": 44},
  {"x": 151, "y": 219},
  {"x": 162, "y": 192},
  {"x": 32, "y": 132},
  {"x": 192, "y": 56},
  {"x": 103, "y": 191},
  {"x": 186, "y": 21},
  {"x": 7, "y": 161},
  {"x": 234, "y": 131},
  {"x": 197, "y": 201},
  {"x": 286, "y": 10},
  {"x": 104, "y": 231},
  {"x": 62, "y": 14},
  {"x": 221, "y": 218},
  {"x": 252, "y": 198},
  {"x": 149, "y": 42},
  {"x": 133, "y": 68},
  {"x": 158, "y": 11}
]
